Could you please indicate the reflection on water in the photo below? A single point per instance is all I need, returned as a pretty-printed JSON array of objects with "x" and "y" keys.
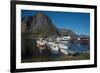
[{"x": 28, "y": 48}]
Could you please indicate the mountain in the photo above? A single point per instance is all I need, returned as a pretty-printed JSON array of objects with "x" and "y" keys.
[
  {"x": 38, "y": 25},
  {"x": 66, "y": 32}
]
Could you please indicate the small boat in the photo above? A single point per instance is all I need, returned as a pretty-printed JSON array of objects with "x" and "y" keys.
[
  {"x": 41, "y": 44},
  {"x": 64, "y": 44},
  {"x": 54, "y": 47},
  {"x": 63, "y": 48},
  {"x": 60, "y": 45}
]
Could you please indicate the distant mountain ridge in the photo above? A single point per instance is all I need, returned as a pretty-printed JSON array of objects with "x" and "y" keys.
[{"x": 66, "y": 32}]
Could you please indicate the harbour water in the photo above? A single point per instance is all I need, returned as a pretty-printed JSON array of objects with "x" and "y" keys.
[{"x": 79, "y": 47}]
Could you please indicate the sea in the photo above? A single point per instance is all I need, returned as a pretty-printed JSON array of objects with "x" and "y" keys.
[{"x": 79, "y": 47}]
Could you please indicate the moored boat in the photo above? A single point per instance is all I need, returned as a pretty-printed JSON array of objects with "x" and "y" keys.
[
  {"x": 54, "y": 47},
  {"x": 41, "y": 44}
]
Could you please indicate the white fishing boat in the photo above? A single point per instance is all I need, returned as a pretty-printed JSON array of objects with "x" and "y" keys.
[
  {"x": 54, "y": 47},
  {"x": 41, "y": 44},
  {"x": 60, "y": 45},
  {"x": 64, "y": 44},
  {"x": 64, "y": 48}
]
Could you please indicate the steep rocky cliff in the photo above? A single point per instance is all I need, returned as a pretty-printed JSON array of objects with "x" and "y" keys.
[{"x": 38, "y": 25}]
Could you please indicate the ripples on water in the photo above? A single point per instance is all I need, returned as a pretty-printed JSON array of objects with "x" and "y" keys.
[{"x": 78, "y": 47}]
